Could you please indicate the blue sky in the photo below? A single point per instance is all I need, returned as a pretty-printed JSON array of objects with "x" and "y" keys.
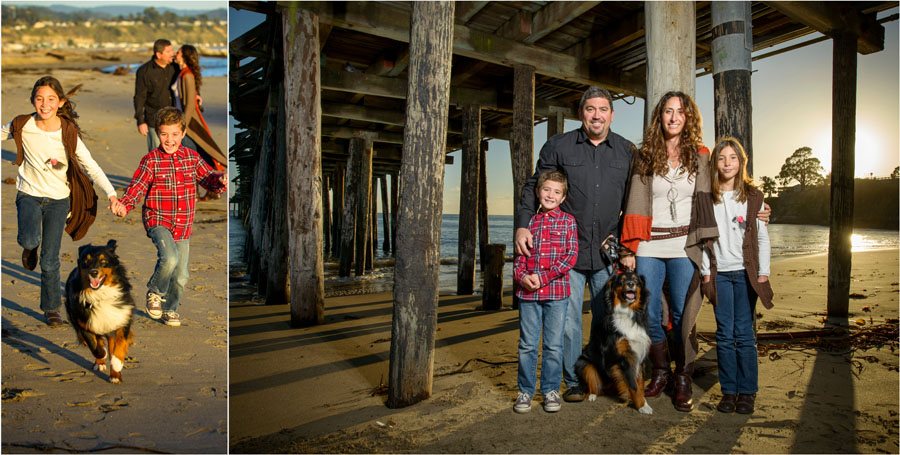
[{"x": 791, "y": 109}]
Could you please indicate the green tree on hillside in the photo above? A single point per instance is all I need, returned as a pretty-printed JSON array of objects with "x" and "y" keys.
[
  {"x": 802, "y": 167},
  {"x": 896, "y": 174},
  {"x": 769, "y": 187}
]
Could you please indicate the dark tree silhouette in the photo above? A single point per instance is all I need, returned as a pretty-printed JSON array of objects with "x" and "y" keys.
[
  {"x": 769, "y": 187},
  {"x": 802, "y": 167}
]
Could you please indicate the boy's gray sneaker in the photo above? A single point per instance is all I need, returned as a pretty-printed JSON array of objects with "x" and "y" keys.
[
  {"x": 171, "y": 318},
  {"x": 551, "y": 401},
  {"x": 154, "y": 305},
  {"x": 523, "y": 403}
]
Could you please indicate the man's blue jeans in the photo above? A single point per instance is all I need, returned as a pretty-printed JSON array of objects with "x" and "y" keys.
[
  {"x": 655, "y": 270},
  {"x": 171, "y": 272},
  {"x": 572, "y": 340},
  {"x": 533, "y": 315},
  {"x": 152, "y": 139},
  {"x": 41, "y": 222},
  {"x": 735, "y": 341}
]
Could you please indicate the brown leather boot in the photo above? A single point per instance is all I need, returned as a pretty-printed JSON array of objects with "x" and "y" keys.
[
  {"x": 684, "y": 401},
  {"x": 659, "y": 359}
]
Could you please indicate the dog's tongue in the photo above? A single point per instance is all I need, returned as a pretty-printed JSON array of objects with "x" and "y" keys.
[
  {"x": 629, "y": 294},
  {"x": 96, "y": 282}
]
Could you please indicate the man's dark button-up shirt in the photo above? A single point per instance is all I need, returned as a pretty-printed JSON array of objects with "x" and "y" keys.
[
  {"x": 152, "y": 91},
  {"x": 597, "y": 178}
]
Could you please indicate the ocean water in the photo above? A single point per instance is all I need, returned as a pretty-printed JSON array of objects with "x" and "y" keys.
[
  {"x": 210, "y": 67},
  {"x": 787, "y": 240}
]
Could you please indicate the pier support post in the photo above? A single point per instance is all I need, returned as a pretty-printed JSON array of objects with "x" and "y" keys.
[
  {"x": 337, "y": 191},
  {"x": 671, "y": 50},
  {"x": 417, "y": 268},
  {"x": 355, "y": 150},
  {"x": 521, "y": 145},
  {"x": 395, "y": 195},
  {"x": 556, "y": 122},
  {"x": 492, "y": 292},
  {"x": 373, "y": 225},
  {"x": 484, "y": 236},
  {"x": 843, "y": 140},
  {"x": 363, "y": 196},
  {"x": 278, "y": 274},
  {"x": 326, "y": 212},
  {"x": 304, "y": 160},
  {"x": 731, "y": 46},
  {"x": 385, "y": 215},
  {"x": 468, "y": 199}
]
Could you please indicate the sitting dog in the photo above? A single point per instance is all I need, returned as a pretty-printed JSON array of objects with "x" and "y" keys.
[
  {"x": 619, "y": 342},
  {"x": 99, "y": 305}
]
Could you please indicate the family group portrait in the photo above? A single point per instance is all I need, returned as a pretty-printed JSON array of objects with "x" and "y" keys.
[{"x": 450, "y": 227}]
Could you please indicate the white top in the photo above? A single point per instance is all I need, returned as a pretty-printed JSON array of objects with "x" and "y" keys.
[
  {"x": 729, "y": 246},
  {"x": 38, "y": 177},
  {"x": 676, "y": 186}
]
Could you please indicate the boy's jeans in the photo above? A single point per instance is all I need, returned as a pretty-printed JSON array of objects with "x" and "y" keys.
[
  {"x": 533, "y": 314},
  {"x": 41, "y": 223},
  {"x": 171, "y": 273},
  {"x": 573, "y": 339},
  {"x": 735, "y": 341}
]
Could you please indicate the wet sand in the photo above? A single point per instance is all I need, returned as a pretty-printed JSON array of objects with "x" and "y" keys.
[{"x": 174, "y": 392}]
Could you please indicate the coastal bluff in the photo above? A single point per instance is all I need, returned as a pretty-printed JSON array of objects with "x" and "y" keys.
[{"x": 875, "y": 204}]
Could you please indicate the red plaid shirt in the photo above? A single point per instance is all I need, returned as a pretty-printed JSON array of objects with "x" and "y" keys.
[
  {"x": 555, "y": 250},
  {"x": 169, "y": 181}
]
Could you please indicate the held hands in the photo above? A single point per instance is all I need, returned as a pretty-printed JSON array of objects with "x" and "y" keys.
[
  {"x": 531, "y": 282},
  {"x": 117, "y": 208},
  {"x": 223, "y": 179}
]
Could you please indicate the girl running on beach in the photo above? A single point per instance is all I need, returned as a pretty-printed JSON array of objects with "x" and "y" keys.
[
  {"x": 187, "y": 93},
  {"x": 53, "y": 192},
  {"x": 738, "y": 274}
]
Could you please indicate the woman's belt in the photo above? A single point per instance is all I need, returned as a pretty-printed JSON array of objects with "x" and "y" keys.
[{"x": 670, "y": 233}]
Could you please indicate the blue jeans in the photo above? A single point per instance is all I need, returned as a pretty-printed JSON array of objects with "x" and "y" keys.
[
  {"x": 655, "y": 270},
  {"x": 735, "y": 341},
  {"x": 41, "y": 223},
  {"x": 152, "y": 139},
  {"x": 572, "y": 340},
  {"x": 533, "y": 315},
  {"x": 171, "y": 272}
]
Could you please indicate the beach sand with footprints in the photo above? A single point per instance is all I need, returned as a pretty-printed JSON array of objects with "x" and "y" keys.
[
  {"x": 323, "y": 389},
  {"x": 174, "y": 392}
]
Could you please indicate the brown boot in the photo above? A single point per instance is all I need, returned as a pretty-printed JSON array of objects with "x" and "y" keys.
[
  {"x": 659, "y": 359},
  {"x": 684, "y": 401}
]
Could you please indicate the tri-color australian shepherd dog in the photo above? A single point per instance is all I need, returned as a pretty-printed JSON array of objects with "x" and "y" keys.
[
  {"x": 619, "y": 343},
  {"x": 99, "y": 304}
]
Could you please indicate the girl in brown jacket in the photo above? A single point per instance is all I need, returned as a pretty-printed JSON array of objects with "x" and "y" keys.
[{"x": 736, "y": 274}]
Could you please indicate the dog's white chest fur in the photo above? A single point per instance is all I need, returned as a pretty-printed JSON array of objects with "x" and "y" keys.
[
  {"x": 636, "y": 335},
  {"x": 107, "y": 311}
]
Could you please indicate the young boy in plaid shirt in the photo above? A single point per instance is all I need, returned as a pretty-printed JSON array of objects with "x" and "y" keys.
[
  {"x": 544, "y": 291},
  {"x": 168, "y": 175}
]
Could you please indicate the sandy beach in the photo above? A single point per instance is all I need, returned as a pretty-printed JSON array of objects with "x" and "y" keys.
[
  {"x": 175, "y": 391},
  {"x": 322, "y": 389}
]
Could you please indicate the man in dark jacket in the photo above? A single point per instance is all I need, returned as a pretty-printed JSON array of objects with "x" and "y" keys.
[
  {"x": 153, "y": 89},
  {"x": 597, "y": 163}
]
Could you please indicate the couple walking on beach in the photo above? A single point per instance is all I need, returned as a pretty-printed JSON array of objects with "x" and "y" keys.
[
  {"x": 55, "y": 192},
  {"x": 172, "y": 78},
  {"x": 666, "y": 201}
]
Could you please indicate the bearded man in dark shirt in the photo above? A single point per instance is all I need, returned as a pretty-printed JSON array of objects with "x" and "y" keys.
[{"x": 153, "y": 89}]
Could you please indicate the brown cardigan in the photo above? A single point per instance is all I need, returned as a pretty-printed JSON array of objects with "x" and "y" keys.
[
  {"x": 750, "y": 251},
  {"x": 82, "y": 198},
  {"x": 196, "y": 125}
]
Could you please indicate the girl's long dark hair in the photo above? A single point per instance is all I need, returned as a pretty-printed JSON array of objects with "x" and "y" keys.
[
  {"x": 192, "y": 60},
  {"x": 67, "y": 110}
]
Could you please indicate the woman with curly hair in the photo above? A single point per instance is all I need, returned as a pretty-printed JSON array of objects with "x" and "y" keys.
[
  {"x": 187, "y": 99},
  {"x": 668, "y": 220}
]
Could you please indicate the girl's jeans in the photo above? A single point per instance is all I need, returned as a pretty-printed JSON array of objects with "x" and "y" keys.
[
  {"x": 41, "y": 223},
  {"x": 735, "y": 341},
  {"x": 171, "y": 273}
]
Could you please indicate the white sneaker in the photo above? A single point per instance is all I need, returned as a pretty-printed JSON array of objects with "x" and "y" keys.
[
  {"x": 523, "y": 403},
  {"x": 551, "y": 401},
  {"x": 154, "y": 305}
]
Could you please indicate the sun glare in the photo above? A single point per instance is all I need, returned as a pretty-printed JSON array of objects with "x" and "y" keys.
[{"x": 869, "y": 155}]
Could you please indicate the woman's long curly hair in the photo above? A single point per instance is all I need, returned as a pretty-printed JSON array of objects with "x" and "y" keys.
[
  {"x": 192, "y": 60},
  {"x": 652, "y": 157},
  {"x": 67, "y": 110}
]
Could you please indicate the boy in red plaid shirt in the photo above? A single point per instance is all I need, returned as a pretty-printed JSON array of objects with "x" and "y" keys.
[
  {"x": 544, "y": 292},
  {"x": 168, "y": 175}
]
